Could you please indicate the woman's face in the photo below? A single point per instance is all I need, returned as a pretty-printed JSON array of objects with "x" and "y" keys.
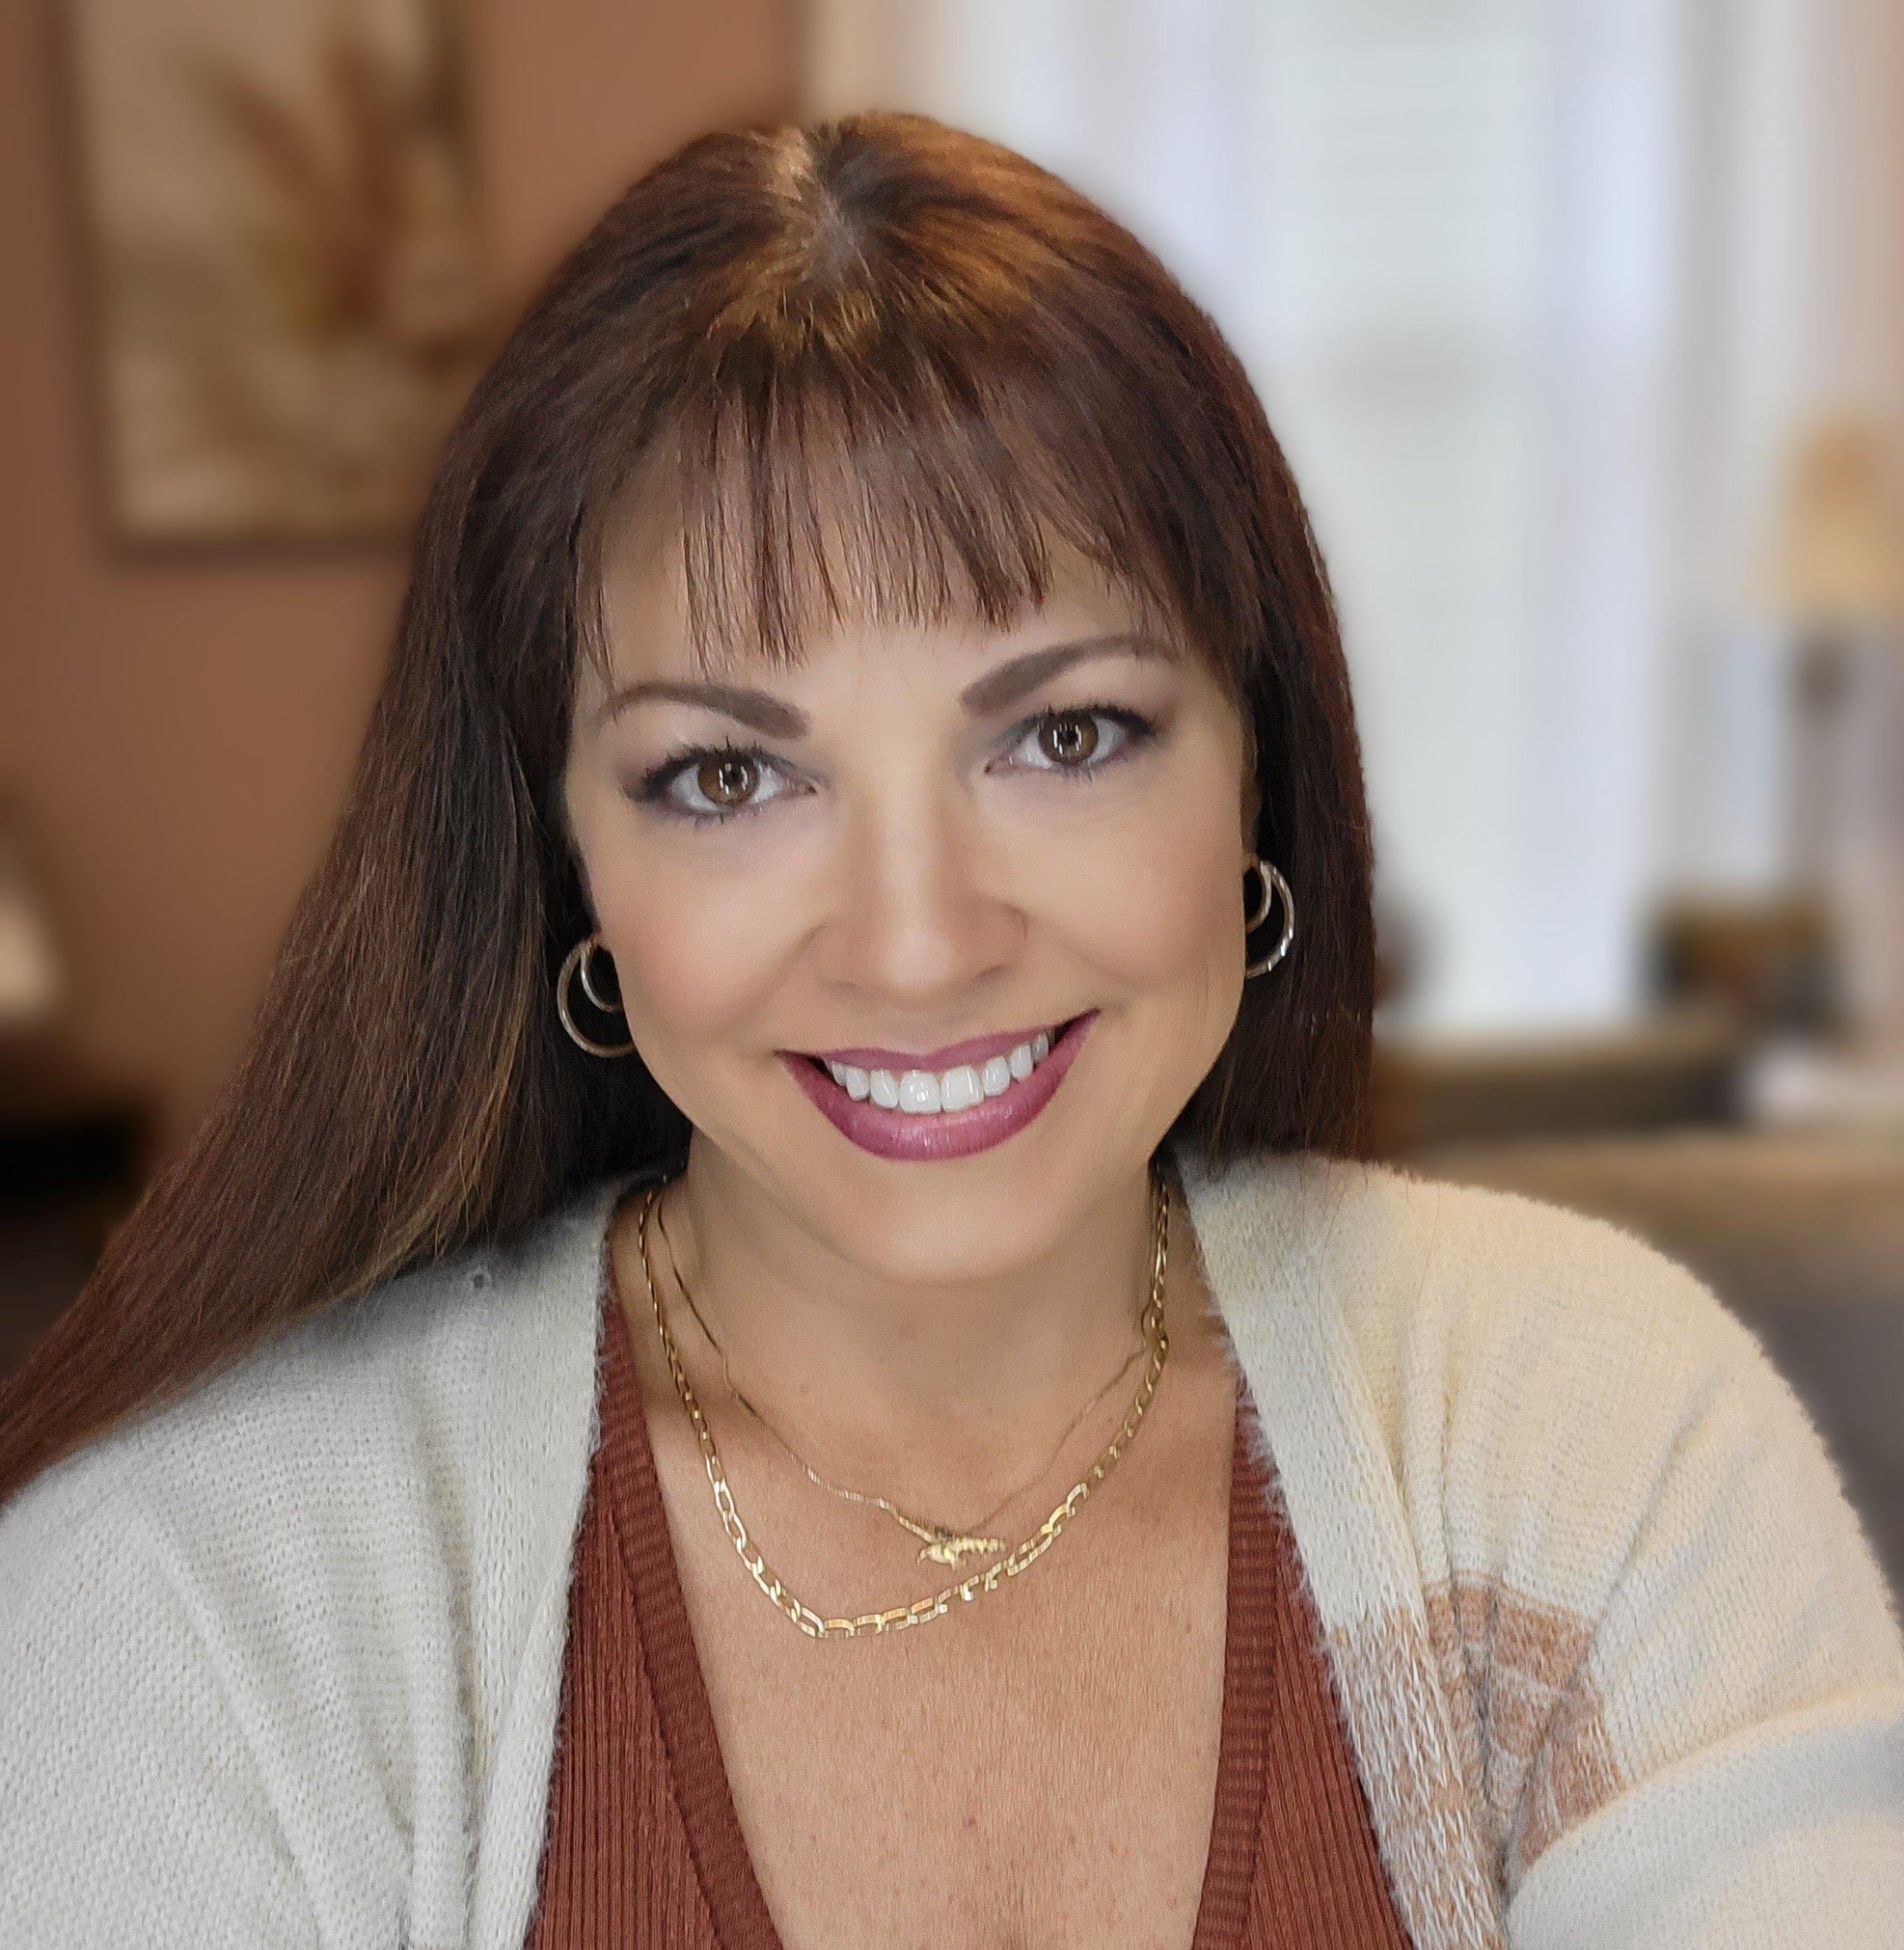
[{"x": 915, "y": 839}]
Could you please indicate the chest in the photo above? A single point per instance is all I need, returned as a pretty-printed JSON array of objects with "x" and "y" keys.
[{"x": 1038, "y": 1768}]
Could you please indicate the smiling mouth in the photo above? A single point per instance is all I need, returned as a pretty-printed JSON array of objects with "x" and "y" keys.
[{"x": 928, "y": 1092}]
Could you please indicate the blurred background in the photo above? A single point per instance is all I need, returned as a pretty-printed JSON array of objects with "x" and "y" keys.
[{"x": 1581, "y": 323}]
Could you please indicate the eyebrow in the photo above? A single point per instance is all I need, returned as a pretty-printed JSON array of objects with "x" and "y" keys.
[{"x": 997, "y": 690}]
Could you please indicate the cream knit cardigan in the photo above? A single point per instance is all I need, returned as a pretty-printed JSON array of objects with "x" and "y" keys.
[{"x": 281, "y": 1662}]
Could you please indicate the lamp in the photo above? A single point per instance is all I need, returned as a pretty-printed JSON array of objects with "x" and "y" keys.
[{"x": 1834, "y": 576}]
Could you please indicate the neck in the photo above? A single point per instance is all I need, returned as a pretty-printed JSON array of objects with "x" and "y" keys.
[{"x": 941, "y": 1390}]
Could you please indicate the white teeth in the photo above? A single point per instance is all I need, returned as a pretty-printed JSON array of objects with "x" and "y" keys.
[
  {"x": 921, "y": 1093},
  {"x": 959, "y": 1089}
]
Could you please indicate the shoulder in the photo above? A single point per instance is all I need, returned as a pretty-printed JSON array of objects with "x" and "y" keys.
[
  {"x": 428, "y": 1428},
  {"x": 1559, "y": 1347},
  {"x": 270, "y": 1636},
  {"x": 1539, "y": 1381},
  {"x": 1497, "y": 1281},
  {"x": 1562, "y": 1301}
]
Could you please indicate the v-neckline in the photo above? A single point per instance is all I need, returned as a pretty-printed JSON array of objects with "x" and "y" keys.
[{"x": 678, "y": 1683}]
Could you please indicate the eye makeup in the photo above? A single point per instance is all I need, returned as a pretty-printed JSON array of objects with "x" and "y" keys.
[{"x": 654, "y": 788}]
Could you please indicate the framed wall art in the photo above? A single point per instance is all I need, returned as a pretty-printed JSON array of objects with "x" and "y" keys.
[{"x": 279, "y": 206}]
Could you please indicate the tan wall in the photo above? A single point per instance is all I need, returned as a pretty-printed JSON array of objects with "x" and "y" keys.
[{"x": 178, "y": 728}]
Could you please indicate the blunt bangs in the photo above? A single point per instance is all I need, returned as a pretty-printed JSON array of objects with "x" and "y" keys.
[{"x": 863, "y": 436}]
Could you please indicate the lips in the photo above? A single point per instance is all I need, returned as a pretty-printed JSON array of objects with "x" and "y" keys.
[{"x": 942, "y": 1134}]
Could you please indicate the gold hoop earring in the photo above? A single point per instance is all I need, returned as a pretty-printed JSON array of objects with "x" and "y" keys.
[
  {"x": 578, "y": 958},
  {"x": 1273, "y": 884}
]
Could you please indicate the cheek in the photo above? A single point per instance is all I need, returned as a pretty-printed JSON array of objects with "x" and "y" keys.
[
  {"x": 1161, "y": 906},
  {"x": 694, "y": 947},
  {"x": 695, "y": 954},
  {"x": 1173, "y": 913}
]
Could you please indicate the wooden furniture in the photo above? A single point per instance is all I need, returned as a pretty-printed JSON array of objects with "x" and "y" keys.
[
  {"x": 75, "y": 1148},
  {"x": 1680, "y": 1067}
]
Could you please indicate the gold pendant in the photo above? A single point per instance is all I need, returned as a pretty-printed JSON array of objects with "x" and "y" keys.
[{"x": 949, "y": 1546}]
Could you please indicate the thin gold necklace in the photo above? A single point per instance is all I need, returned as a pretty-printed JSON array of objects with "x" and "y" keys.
[
  {"x": 940, "y": 1543},
  {"x": 921, "y": 1611}
]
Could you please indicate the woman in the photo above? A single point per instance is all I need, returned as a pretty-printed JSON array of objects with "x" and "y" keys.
[{"x": 787, "y": 1334}]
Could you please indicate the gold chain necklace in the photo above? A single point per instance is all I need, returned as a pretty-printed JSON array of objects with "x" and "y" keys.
[
  {"x": 940, "y": 1543},
  {"x": 921, "y": 1611}
]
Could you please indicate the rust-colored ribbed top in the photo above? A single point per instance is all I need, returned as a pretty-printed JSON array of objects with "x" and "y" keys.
[{"x": 644, "y": 1845}]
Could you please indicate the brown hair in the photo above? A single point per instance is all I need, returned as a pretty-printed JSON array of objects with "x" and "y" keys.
[{"x": 982, "y": 359}]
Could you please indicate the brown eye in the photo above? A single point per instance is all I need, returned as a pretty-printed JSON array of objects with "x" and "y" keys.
[
  {"x": 727, "y": 782},
  {"x": 1070, "y": 740}
]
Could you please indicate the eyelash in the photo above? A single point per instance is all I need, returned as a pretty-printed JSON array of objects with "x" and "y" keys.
[{"x": 651, "y": 789}]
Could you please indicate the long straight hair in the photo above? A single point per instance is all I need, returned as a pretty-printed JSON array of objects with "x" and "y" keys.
[{"x": 883, "y": 315}]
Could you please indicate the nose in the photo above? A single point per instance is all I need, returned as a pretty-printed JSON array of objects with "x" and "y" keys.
[{"x": 922, "y": 911}]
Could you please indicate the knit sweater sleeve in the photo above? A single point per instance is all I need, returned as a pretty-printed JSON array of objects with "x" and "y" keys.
[
  {"x": 131, "y": 1811},
  {"x": 1725, "y": 1767}
]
